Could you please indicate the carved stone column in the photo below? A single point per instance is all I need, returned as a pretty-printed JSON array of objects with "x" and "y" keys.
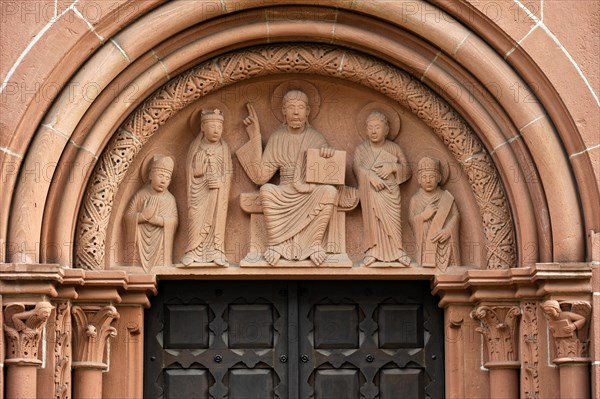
[
  {"x": 23, "y": 327},
  {"x": 568, "y": 323},
  {"x": 91, "y": 331},
  {"x": 499, "y": 327}
]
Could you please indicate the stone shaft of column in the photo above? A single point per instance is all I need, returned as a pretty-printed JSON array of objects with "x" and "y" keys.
[
  {"x": 21, "y": 382},
  {"x": 504, "y": 383},
  {"x": 574, "y": 381},
  {"x": 87, "y": 383}
]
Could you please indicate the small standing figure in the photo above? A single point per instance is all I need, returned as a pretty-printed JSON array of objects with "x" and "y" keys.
[
  {"x": 567, "y": 327},
  {"x": 380, "y": 167},
  {"x": 434, "y": 219},
  {"x": 208, "y": 182},
  {"x": 152, "y": 214}
]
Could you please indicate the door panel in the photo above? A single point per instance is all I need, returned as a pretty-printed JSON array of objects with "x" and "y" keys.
[
  {"x": 367, "y": 340},
  {"x": 227, "y": 336},
  {"x": 307, "y": 340}
]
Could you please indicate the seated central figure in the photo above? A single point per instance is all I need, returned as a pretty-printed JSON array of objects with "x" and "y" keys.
[{"x": 296, "y": 213}]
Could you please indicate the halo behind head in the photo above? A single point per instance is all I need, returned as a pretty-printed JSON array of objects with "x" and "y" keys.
[
  {"x": 292, "y": 87},
  {"x": 373, "y": 108}
]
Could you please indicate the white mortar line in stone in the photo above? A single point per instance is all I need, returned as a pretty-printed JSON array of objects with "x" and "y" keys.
[
  {"x": 341, "y": 67},
  {"x": 121, "y": 50},
  {"x": 268, "y": 27},
  {"x": 596, "y": 293},
  {"x": 60, "y": 133},
  {"x": 512, "y": 50},
  {"x": 32, "y": 43},
  {"x": 162, "y": 64},
  {"x": 506, "y": 142},
  {"x": 55, "y": 8},
  {"x": 80, "y": 15},
  {"x": 532, "y": 122},
  {"x": 333, "y": 27},
  {"x": 430, "y": 64},
  {"x": 542, "y": 9},
  {"x": 9, "y": 152},
  {"x": 459, "y": 45},
  {"x": 82, "y": 148},
  {"x": 584, "y": 151},
  {"x": 596, "y": 363},
  {"x": 44, "y": 345},
  {"x": 559, "y": 44}
]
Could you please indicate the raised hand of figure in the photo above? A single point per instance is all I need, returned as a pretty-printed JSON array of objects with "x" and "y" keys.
[
  {"x": 377, "y": 183},
  {"x": 385, "y": 169},
  {"x": 251, "y": 122},
  {"x": 442, "y": 236},
  {"x": 429, "y": 211},
  {"x": 326, "y": 152}
]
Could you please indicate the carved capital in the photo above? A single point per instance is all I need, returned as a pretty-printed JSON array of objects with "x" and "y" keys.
[
  {"x": 498, "y": 326},
  {"x": 23, "y": 326},
  {"x": 568, "y": 323},
  {"x": 91, "y": 331}
]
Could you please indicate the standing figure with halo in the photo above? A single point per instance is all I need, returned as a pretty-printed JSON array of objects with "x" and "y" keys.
[
  {"x": 296, "y": 213},
  {"x": 152, "y": 216},
  {"x": 209, "y": 170},
  {"x": 380, "y": 167},
  {"x": 434, "y": 218}
]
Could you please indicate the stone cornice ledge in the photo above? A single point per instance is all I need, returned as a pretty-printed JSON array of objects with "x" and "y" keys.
[
  {"x": 538, "y": 281},
  {"x": 55, "y": 281}
]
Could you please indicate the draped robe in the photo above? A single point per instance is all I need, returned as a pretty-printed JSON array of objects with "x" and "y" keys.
[
  {"x": 446, "y": 253},
  {"x": 381, "y": 210},
  {"x": 153, "y": 244},
  {"x": 207, "y": 207},
  {"x": 296, "y": 213}
]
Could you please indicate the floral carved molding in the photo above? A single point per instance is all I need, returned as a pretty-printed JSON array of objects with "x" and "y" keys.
[
  {"x": 328, "y": 61},
  {"x": 498, "y": 326},
  {"x": 92, "y": 329}
]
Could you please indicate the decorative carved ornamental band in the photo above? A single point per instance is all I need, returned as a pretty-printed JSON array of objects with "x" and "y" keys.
[{"x": 309, "y": 59}]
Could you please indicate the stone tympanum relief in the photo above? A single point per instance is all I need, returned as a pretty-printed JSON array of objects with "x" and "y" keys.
[
  {"x": 152, "y": 216},
  {"x": 434, "y": 218},
  {"x": 329, "y": 226},
  {"x": 296, "y": 212},
  {"x": 23, "y": 329},
  {"x": 380, "y": 167},
  {"x": 208, "y": 183},
  {"x": 568, "y": 324}
]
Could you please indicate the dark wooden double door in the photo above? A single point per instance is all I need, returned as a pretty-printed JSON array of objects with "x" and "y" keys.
[{"x": 295, "y": 340}]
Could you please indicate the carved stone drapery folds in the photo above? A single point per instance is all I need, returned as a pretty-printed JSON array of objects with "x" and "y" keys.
[
  {"x": 91, "y": 331},
  {"x": 23, "y": 328},
  {"x": 498, "y": 326},
  {"x": 460, "y": 140}
]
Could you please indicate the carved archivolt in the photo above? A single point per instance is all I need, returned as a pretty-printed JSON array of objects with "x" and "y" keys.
[{"x": 309, "y": 59}]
